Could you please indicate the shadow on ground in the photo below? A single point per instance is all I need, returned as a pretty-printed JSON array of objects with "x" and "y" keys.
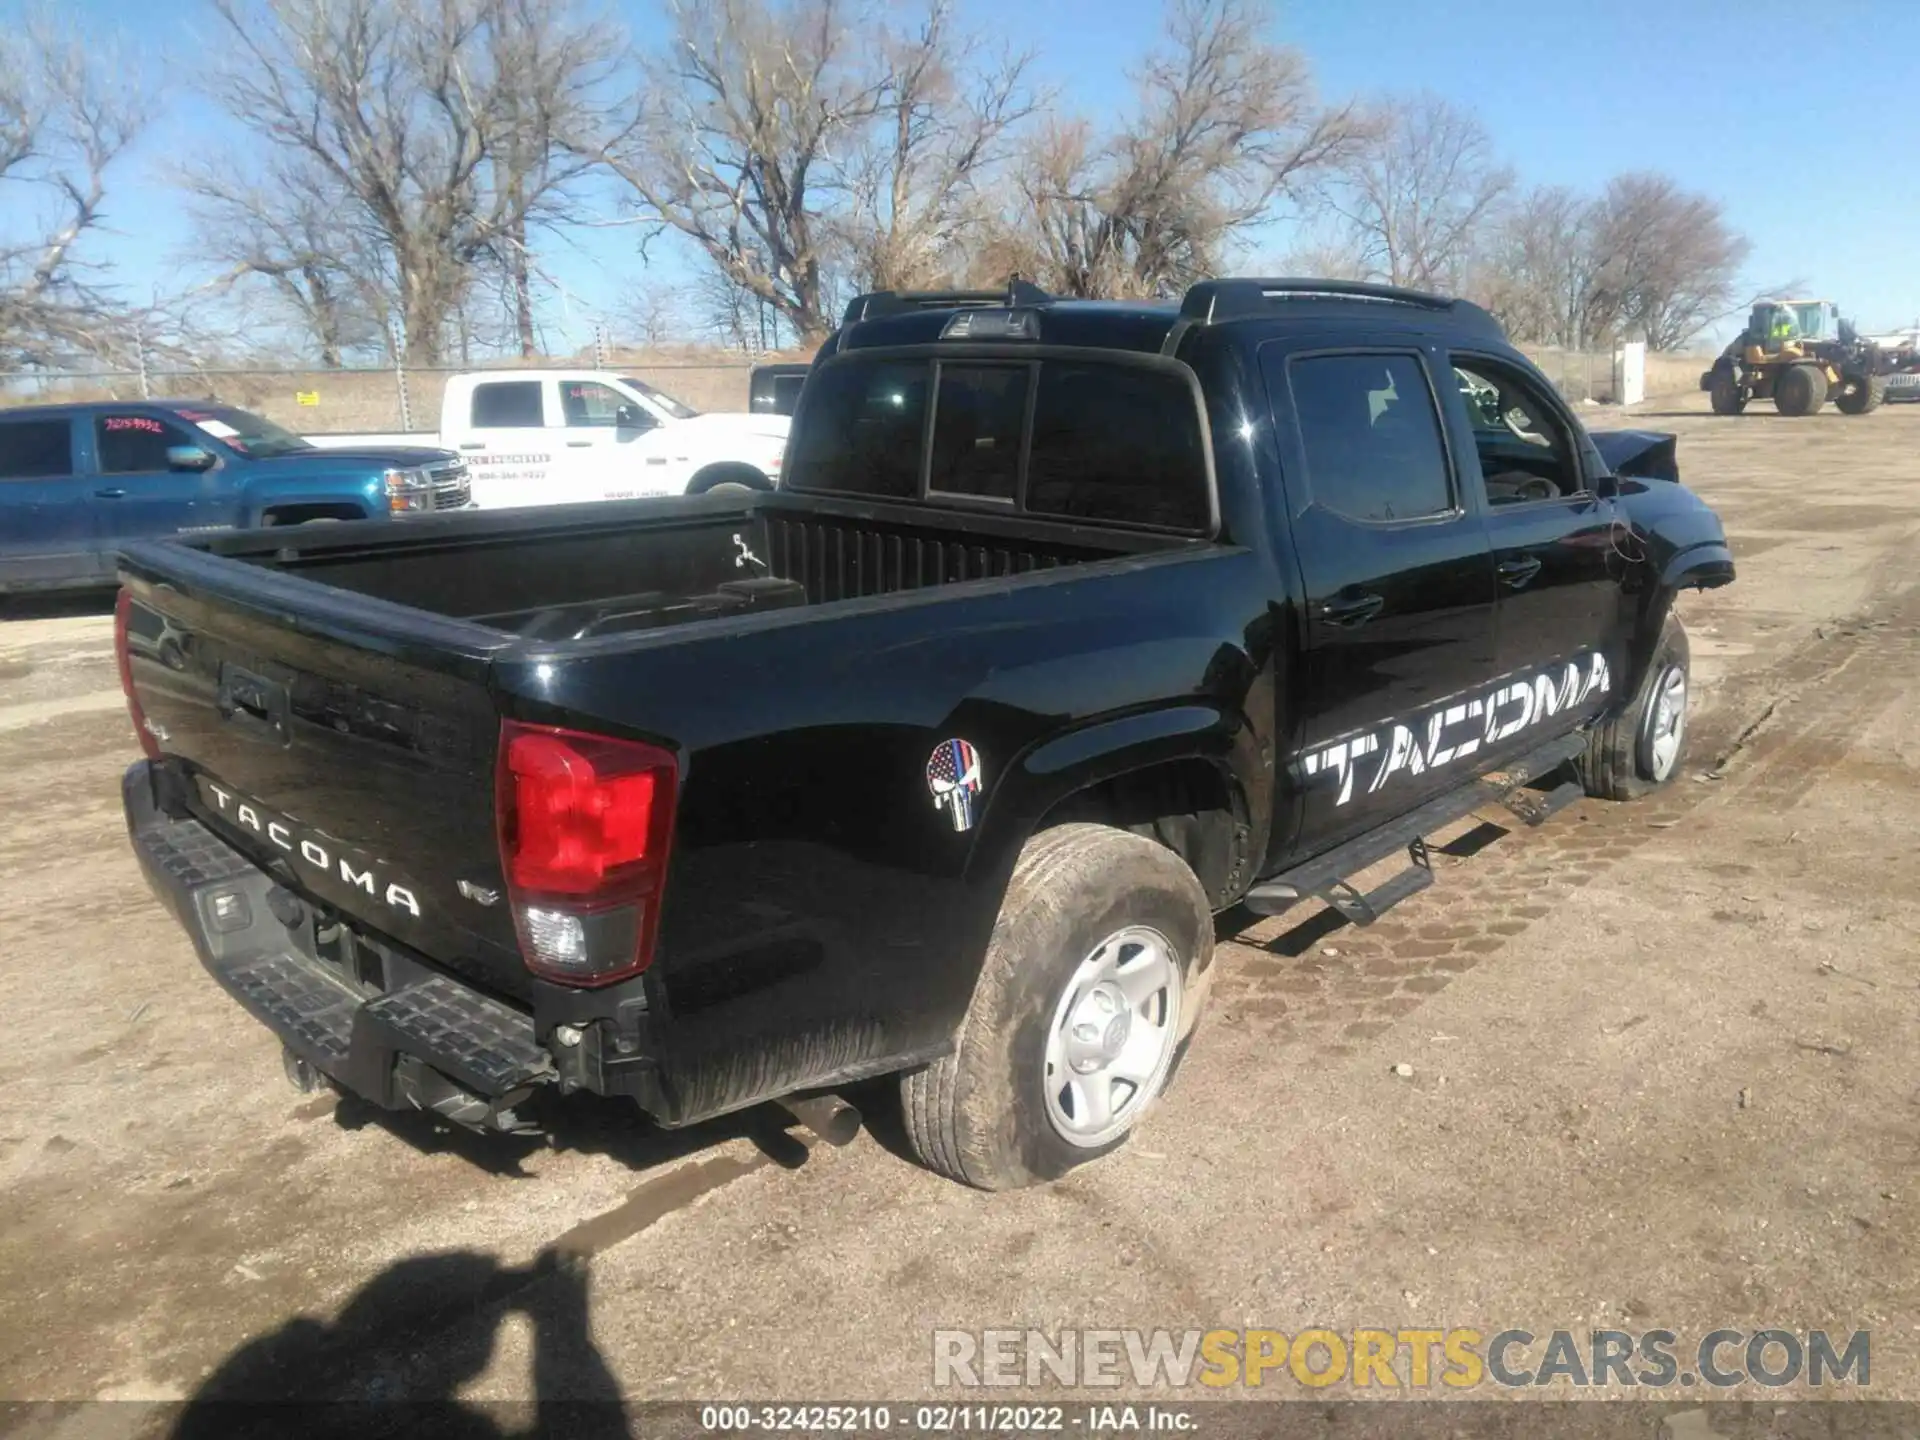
[
  {"x": 586, "y": 1123},
  {"x": 395, "y": 1358},
  {"x": 61, "y": 605}
]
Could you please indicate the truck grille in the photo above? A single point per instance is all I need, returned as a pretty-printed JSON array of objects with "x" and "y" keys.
[{"x": 452, "y": 488}]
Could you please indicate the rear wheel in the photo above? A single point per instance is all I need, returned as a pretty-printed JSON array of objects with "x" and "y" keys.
[
  {"x": 1727, "y": 396},
  {"x": 1092, "y": 986},
  {"x": 1862, "y": 394},
  {"x": 1800, "y": 390},
  {"x": 1640, "y": 748},
  {"x": 728, "y": 479}
]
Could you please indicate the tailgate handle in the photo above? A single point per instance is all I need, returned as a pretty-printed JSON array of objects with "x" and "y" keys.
[{"x": 248, "y": 699}]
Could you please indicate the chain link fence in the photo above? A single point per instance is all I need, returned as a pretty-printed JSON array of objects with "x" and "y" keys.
[
  {"x": 317, "y": 401},
  {"x": 1586, "y": 376}
]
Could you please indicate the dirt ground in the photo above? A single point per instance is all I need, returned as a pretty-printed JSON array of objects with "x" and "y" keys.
[{"x": 1647, "y": 1066}]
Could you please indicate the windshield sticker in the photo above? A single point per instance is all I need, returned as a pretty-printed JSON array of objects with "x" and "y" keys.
[
  {"x": 953, "y": 779},
  {"x": 219, "y": 429},
  {"x": 1454, "y": 731}
]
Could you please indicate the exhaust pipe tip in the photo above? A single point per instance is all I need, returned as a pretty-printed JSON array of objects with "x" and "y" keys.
[
  {"x": 827, "y": 1116},
  {"x": 302, "y": 1074}
]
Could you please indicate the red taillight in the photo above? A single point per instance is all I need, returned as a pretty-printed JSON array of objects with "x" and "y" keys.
[
  {"x": 122, "y": 610},
  {"x": 585, "y": 826}
]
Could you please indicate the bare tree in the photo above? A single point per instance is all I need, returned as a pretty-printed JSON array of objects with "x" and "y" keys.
[
  {"x": 1226, "y": 126},
  {"x": 1665, "y": 261},
  {"x": 291, "y": 233},
  {"x": 1536, "y": 269},
  {"x": 917, "y": 201},
  {"x": 794, "y": 143},
  {"x": 1418, "y": 191},
  {"x": 654, "y": 315},
  {"x": 68, "y": 111},
  {"x": 1322, "y": 253},
  {"x": 436, "y": 124}
]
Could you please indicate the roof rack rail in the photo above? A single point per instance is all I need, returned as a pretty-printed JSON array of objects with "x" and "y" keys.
[
  {"x": 878, "y": 303},
  {"x": 1213, "y": 301}
]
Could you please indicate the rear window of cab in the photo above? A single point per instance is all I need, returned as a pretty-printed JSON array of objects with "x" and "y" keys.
[{"x": 1087, "y": 440}]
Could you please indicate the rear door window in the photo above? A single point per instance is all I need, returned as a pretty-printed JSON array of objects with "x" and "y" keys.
[
  {"x": 136, "y": 444},
  {"x": 508, "y": 405},
  {"x": 35, "y": 449},
  {"x": 1117, "y": 443},
  {"x": 1371, "y": 435}
]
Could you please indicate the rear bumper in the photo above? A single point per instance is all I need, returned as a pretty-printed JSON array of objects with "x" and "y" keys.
[{"x": 429, "y": 1042}]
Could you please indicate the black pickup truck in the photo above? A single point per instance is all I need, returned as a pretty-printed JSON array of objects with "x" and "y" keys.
[{"x": 1072, "y": 624}]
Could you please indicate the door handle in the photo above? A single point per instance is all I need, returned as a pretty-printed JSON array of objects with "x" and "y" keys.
[
  {"x": 1352, "y": 609},
  {"x": 473, "y": 444},
  {"x": 656, "y": 460},
  {"x": 112, "y": 494},
  {"x": 579, "y": 444},
  {"x": 1518, "y": 571}
]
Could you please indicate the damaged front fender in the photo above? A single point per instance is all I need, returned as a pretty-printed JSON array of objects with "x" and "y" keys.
[{"x": 1640, "y": 454}]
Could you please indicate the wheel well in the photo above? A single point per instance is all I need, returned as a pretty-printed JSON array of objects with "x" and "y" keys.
[
  {"x": 733, "y": 472},
  {"x": 1189, "y": 806},
  {"x": 300, "y": 514}
]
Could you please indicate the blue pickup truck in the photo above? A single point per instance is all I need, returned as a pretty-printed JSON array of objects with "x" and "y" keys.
[{"x": 78, "y": 481}]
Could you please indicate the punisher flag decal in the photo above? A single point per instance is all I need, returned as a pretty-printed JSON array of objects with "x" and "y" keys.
[{"x": 953, "y": 779}]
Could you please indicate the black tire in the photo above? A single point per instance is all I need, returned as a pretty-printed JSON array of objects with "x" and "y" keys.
[
  {"x": 1800, "y": 390},
  {"x": 1727, "y": 396},
  {"x": 1620, "y": 763},
  {"x": 1861, "y": 395},
  {"x": 727, "y": 479},
  {"x": 981, "y": 1115}
]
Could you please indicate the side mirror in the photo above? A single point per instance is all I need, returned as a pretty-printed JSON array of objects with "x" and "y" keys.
[
  {"x": 630, "y": 417},
  {"x": 189, "y": 457}
]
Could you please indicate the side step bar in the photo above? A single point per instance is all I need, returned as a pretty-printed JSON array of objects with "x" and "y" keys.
[{"x": 1325, "y": 876}]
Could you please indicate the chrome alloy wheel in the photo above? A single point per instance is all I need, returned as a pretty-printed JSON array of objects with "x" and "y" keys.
[
  {"x": 1112, "y": 1038},
  {"x": 1666, "y": 724}
]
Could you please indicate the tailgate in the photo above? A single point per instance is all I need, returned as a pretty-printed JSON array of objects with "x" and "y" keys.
[{"x": 347, "y": 743}]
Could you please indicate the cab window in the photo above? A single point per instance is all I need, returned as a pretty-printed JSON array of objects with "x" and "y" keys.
[
  {"x": 35, "y": 449},
  {"x": 1372, "y": 436},
  {"x": 507, "y": 405},
  {"x": 1526, "y": 452},
  {"x": 135, "y": 444},
  {"x": 590, "y": 404}
]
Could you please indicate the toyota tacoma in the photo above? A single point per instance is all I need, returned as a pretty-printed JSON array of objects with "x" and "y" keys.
[{"x": 1073, "y": 624}]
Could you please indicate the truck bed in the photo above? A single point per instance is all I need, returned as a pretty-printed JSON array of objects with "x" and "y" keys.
[
  {"x": 341, "y": 688},
  {"x": 653, "y": 564}
]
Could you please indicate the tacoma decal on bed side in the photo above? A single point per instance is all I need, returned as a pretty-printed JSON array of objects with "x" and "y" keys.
[{"x": 1454, "y": 730}]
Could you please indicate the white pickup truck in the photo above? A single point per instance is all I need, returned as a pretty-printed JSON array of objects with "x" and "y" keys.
[{"x": 554, "y": 437}]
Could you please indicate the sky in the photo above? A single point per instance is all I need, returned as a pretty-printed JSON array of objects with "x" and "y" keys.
[{"x": 1799, "y": 120}]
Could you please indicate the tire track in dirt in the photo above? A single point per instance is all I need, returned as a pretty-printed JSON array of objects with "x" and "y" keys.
[{"x": 1779, "y": 729}]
